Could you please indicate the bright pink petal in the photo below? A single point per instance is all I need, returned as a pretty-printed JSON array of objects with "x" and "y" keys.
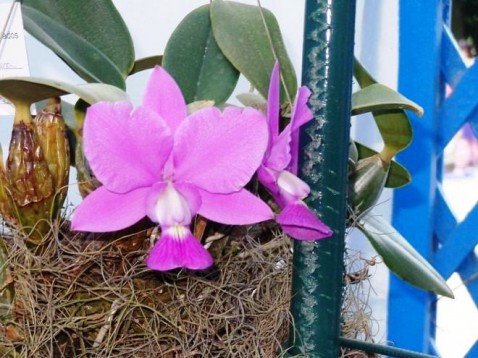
[
  {"x": 126, "y": 150},
  {"x": 219, "y": 153},
  {"x": 239, "y": 208},
  {"x": 298, "y": 221},
  {"x": 301, "y": 114},
  {"x": 268, "y": 178},
  {"x": 279, "y": 156},
  {"x": 104, "y": 211},
  {"x": 273, "y": 101},
  {"x": 165, "y": 98},
  {"x": 176, "y": 248}
]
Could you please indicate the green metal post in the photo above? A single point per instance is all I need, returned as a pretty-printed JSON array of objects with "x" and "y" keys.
[{"x": 317, "y": 279}]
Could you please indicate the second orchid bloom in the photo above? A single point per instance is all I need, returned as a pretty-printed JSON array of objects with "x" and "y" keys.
[{"x": 160, "y": 162}]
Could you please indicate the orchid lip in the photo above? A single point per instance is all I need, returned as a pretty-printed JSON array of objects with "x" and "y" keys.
[
  {"x": 172, "y": 208},
  {"x": 177, "y": 232},
  {"x": 292, "y": 185}
]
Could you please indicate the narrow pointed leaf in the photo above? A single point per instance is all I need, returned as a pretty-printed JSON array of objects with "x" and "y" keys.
[
  {"x": 194, "y": 59},
  {"x": 377, "y": 97},
  {"x": 392, "y": 121},
  {"x": 32, "y": 89},
  {"x": 86, "y": 59},
  {"x": 398, "y": 175},
  {"x": 250, "y": 38},
  {"x": 400, "y": 257}
]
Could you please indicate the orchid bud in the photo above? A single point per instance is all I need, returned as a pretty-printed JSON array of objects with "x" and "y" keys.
[
  {"x": 366, "y": 183},
  {"x": 51, "y": 130}
]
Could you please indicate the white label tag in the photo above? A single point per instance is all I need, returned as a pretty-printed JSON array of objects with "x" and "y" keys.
[{"x": 13, "y": 52}]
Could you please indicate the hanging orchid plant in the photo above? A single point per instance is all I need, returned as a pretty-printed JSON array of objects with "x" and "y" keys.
[{"x": 159, "y": 162}]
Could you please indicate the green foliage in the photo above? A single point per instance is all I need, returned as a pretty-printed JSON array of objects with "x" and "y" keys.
[
  {"x": 398, "y": 175},
  {"x": 194, "y": 59},
  {"x": 89, "y": 35},
  {"x": 250, "y": 38},
  {"x": 386, "y": 106},
  {"x": 31, "y": 90},
  {"x": 400, "y": 257}
]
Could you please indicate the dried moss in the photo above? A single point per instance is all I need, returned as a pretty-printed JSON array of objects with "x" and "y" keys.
[{"x": 81, "y": 295}]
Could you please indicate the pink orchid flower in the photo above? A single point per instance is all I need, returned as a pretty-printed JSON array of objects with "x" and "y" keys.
[
  {"x": 157, "y": 161},
  {"x": 279, "y": 167}
]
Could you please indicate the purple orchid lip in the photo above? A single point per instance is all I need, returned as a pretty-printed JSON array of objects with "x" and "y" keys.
[
  {"x": 279, "y": 166},
  {"x": 156, "y": 157}
]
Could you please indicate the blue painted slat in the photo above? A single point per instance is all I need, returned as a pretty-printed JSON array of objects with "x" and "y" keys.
[
  {"x": 445, "y": 221},
  {"x": 409, "y": 310},
  {"x": 468, "y": 271},
  {"x": 452, "y": 65},
  {"x": 460, "y": 242},
  {"x": 473, "y": 352},
  {"x": 458, "y": 107}
]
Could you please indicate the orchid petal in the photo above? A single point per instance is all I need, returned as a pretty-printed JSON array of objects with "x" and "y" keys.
[
  {"x": 268, "y": 178},
  {"x": 177, "y": 247},
  {"x": 125, "y": 150},
  {"x": 279, "y": 156},
  {"x": 103, "y": 210},
  {"x": 239, "y": 208},
  {"x": 164, "y": 96},
  {"x": 301, "y": 114},
  {"x": 273, "y": 102},
  {"x": 219, "y": 153},
  {"x": 298, "y": 221}
]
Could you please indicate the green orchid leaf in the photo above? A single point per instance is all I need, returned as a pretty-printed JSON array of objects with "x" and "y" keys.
[
  {"x": 194, "y": 59},
  {"x": 85, "y": 59},
  {"x": 386, "y": 106},
  {"x": 396, "y": 131},
  {"x": 365, "y": 184},
  {"x": 97, "y": 22},
  {"x": 398, "y": 175},
  {"x": 362, "y": 76},
  {"x": 378, "y": 97},
  {"x": 146, "y": 63},
  {"x": 30, "y": 90},
  {"x": 250, "y": 38},
  {"x": 400, "y": 257}
]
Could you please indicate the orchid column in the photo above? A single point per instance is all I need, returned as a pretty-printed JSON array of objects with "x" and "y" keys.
[{"x": 317, "y": 281}]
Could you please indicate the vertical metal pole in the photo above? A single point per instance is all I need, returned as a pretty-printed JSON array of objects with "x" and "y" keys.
[
  {"x": 410, "y": 316},
  {"x": 317, "y": 281}
]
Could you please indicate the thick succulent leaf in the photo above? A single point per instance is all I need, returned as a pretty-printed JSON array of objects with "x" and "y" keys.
[
  {"x": 194, "y": 59},
  {"x": 377, "y": 97},
  {"x": 398, "y": 175},
  {"x": 362, "y": 76},
  {"x": 98, "y": 22},
  {"x": 146, "y": 63},
  {"x": 31, "y": 89},
  {"x": 396, "y": 131},
  {"x": 400, "y": 257},
  {"x": 365, "y": 184},
  {"x": 250, "y": 38},
  {"x": 88, "y": 60},
  {"x": 392, "y": 122}
]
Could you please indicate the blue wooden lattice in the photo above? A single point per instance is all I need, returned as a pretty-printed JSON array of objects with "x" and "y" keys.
[{"x": 430, "y": 58}]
